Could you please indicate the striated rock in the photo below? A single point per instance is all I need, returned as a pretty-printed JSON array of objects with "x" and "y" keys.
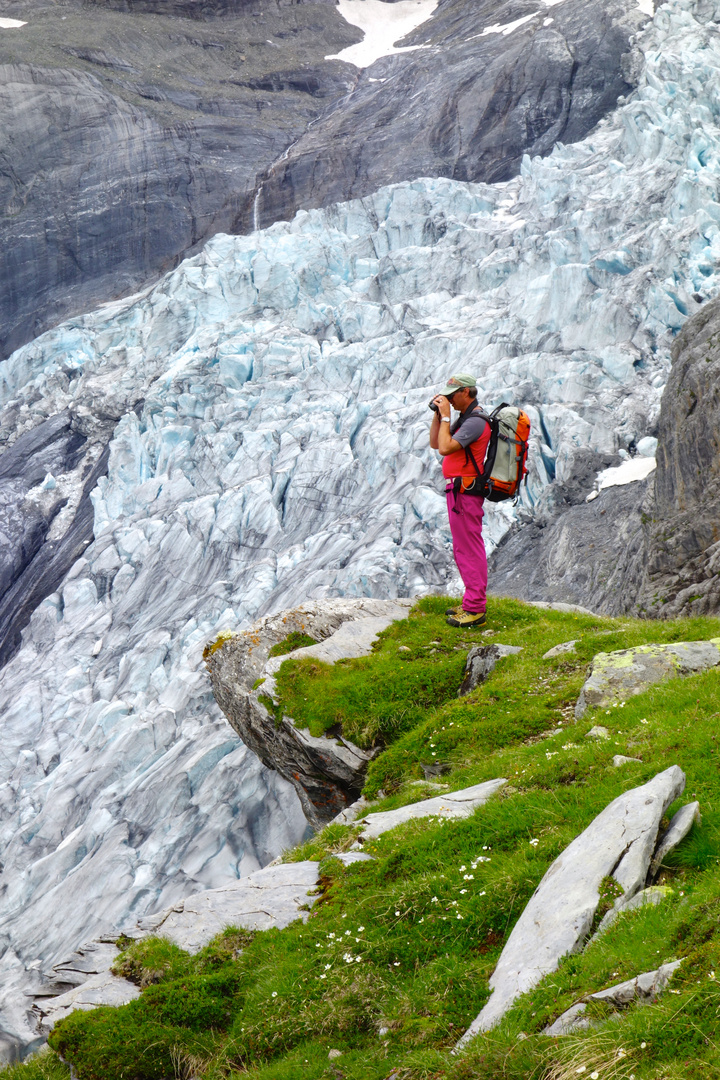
[
  {"x": 480, "y": 662},
  {"x": 456, "y": 804},
  {"x": 619, "y": 842},
  {"x": 327, "y": 772},
  {"x": 616, "y": 676},
  {"x": 644, "y": 988},
  {"x": 130, "y": 137},
  {"x": 588, "y": 554}
]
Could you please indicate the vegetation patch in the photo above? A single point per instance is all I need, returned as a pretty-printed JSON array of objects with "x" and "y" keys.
[
  {"x": 393, "y": 960},
  {"x": 295, "y": 640}
]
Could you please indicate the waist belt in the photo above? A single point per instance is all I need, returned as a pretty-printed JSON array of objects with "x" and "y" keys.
[{"x": 455, "y": 484}]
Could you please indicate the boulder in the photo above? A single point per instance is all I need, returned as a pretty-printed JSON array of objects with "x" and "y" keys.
[
  {"x": 619, "y": 842},
  {"x": 327, "y": 773},
  {"x": 643, "y": 988},
  {"x": 561, "y": 649},
  {"x": 480, "y": 662},
  {"x": 616, "y": 676}
]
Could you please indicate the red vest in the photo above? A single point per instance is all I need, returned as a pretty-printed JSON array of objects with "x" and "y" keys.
[{"x": 459, "y": 463}]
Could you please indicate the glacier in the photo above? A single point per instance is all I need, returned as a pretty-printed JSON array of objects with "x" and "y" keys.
[{"x": 272, "y": 448}]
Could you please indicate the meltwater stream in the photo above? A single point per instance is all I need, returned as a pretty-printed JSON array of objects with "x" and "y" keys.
[{"x": 273, "y": 447}]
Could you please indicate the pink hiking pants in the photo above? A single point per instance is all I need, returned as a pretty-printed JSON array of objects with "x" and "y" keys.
[{"x": 469, "y": 547}]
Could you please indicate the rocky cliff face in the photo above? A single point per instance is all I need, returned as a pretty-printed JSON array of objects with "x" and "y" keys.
[
  {"x": 682, "y": 535},
  {"x": 134, "y": 131},
  {"x": 327, "y": 772},
  {"x": 488, "y": 83}
]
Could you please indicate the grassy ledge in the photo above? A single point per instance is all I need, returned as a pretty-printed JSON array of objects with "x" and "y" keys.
[{"x": 394, "y": 960}]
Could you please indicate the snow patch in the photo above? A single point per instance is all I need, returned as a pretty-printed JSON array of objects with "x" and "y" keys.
[
  {"x": 507, "y": 28},
  {"x": 383, "y": 24},
  {"x": 11, "y": 24},
  {"x": 636, "y": 468}
]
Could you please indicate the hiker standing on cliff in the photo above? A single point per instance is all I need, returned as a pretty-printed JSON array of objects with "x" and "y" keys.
[{"x": 463, "y": 446}]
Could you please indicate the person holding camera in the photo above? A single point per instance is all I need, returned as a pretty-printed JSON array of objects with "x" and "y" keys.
[{"x": 463, "y": 446}]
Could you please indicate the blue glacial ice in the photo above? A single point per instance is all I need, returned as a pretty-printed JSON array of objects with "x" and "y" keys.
[{"x": 273, "y": 448}]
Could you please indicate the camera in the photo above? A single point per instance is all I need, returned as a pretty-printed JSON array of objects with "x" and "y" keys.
[{"x": 433, "y": 406}]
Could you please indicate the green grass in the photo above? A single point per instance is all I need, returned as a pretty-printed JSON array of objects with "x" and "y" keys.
[
  {"x": 394, "y": 959},
  {"x": 295, "y": 640}
]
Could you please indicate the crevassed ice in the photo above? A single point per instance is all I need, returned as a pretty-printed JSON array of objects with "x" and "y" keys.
[{"x": 281, "y": 453}]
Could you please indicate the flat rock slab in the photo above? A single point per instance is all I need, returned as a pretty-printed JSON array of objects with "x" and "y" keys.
[
  {"x": 272, "y": 897},
  {"x": 617, "y": 676},
  {"x": 619, "y": 842},
  {"x": 569, "y": 609},
  {"x": 644, "y": 988},
  {"x": 457, "y": 804}
]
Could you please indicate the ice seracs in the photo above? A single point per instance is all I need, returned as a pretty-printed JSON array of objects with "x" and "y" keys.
[{"x": 272, "y": 449}]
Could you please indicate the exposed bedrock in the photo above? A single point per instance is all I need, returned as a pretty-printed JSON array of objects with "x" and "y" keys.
[
  {"x": 467, "y": 104},
  {"x": 327, "y": 772},
  {"x": 132, "y": 134},
  {"x": 682, "y": 533}
]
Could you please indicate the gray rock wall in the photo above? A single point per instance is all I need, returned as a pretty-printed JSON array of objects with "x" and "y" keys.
[{"x": 682, "y": 541}]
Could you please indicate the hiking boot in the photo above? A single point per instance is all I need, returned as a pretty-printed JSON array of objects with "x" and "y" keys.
[
  {"x": 466, "y": 619},
  {"x": 454, "y": 610}
]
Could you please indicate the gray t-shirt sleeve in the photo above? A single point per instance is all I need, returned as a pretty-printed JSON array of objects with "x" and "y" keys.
[{"x": 470, "y": 431}]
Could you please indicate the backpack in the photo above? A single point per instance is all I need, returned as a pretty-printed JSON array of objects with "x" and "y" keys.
[{"x": 506, "y": 457}]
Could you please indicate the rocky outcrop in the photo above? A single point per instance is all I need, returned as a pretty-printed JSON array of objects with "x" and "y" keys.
[
  {"x": 132, "y": 135},
  {"x": 645, "y": 989},
  {"x": 614, "y": 677},
  {"x": 682, "y": 535},
  {"x": 327, "y": 772},
  {"x": 620, "y": 842}
]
